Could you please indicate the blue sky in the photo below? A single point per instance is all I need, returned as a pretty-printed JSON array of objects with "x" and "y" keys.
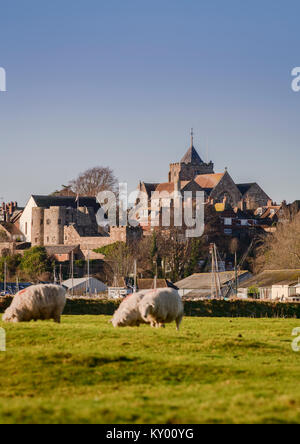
[{"x": 120, "y": 83}]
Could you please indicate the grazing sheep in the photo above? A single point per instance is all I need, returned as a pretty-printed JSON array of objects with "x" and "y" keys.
[
  {"x": 128, "y": 314},
  {"x": 155, "y": 307},
  {"x": 162, "y": 306},
  {"x": 38, "y": 302}
]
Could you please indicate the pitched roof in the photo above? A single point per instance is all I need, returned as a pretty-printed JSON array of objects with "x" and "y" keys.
[
  {"x": 65, "y": 201},
  {"x": 191, "y": 156},
  {"x": 93, "y": 282},
  {"x": 60, "y": 249},
  {"x": 167, "y": 186},
  {"x": 148, "y": 284},
  {"x": 209, "y": 181},
  {"x": 272, "y": 277},
  {"x": 11, "y": 229},
  {"x": 200, "y": 281},
  {"x": 150, "y": 187},
  {"x": 245, "y": 187}
]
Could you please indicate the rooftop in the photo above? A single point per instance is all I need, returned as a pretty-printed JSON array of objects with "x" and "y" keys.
[
  {"x": 66, "y": 201},
  {"x": 191, "y": 156},
  {"x": 203, "y": 281},
  {"x": 273, "y": 277},
  {"x": 209, "y": 180}
]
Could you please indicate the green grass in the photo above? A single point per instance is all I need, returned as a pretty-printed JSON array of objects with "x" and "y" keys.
[{"x": 213, "y": 371}]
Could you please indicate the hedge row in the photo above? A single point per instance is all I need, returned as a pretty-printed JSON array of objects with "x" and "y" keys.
[
  {"x": 242, "y": 309},
  {"x": 249, "y": 309}
]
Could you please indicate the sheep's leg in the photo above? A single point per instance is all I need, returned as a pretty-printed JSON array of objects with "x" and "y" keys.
[
  {"x": 57, "y": 317},
  {"x": 178, "y": 322}
]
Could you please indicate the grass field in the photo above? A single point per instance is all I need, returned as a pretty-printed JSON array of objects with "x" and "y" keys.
[{"x": 213, "y": 371}]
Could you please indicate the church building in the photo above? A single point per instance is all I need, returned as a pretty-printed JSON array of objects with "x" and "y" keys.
[{"x": 193, "y": 174}]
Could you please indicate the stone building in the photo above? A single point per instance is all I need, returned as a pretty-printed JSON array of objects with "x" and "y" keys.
[
  {"x": 51, "y": 221},
  {"x": 220, "y": 190}
]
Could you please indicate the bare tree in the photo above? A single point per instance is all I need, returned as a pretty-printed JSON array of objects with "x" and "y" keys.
[
  {"x": 119, "y": 258},
  {"x": 94, "y": 180},
  {"x": 281, "y": 250}
]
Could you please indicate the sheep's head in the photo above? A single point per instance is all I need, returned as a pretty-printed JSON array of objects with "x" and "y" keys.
[
  {"x": 146, "y": 311},
  {"x": 125, "y": 318},
  {"x": 10, "y": 316}
]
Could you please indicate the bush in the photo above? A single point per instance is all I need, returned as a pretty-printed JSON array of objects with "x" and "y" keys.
[
  {"x": 231, "y": 309},
  {"x": 35, "y": 262}
]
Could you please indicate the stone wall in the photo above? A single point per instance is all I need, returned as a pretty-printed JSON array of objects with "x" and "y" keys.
[
  {"x": 37, "y": 227},
  {"x": 255, "y": 198},
  {"x": 227, "y": 189},
  {"x": 186, "y": 172}
]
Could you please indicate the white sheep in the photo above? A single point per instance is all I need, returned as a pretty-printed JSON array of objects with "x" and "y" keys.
[
  {"x": 162, "y": 306},
  {"x": 128, "y": 314},
  {"x": 38, "y": 302},
  {"x": 154, "y": 307}
]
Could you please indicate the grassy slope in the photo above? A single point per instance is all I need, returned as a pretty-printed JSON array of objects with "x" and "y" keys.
[{"x": 85, "y": 371}]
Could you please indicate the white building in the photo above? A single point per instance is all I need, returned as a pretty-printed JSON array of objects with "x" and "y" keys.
[
  {"x": 26, "y": 219},
  {"x": 283, "y": 291},
  {"x": 276, "y": 285}
]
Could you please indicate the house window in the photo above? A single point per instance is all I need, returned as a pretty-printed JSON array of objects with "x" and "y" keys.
[
  {"x": 48, "y": 221},
  {"x": 59, "y": 221},
  {"x": 227, "y": 221},
  {"x": 244, "y": 222},
  {"x": 228, "y": 231}
]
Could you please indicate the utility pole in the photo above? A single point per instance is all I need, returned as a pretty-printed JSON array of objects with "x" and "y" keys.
[
  {"x": 88, "y": 273},
  {"x": 135, "y": 276},
  {"x": 217, "y": 274},
  {"x": 235, "y": 275},
  {"x": 72, "y": 271},
  {"x": 215, "y": 278},
  {"x": 5, "y": 278},
  {"x": 60, "y": 274},
  {"x": 54, "y": 274}
]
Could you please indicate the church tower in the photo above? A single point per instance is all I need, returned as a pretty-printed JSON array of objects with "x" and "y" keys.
[{"x": 190, "y": 166}]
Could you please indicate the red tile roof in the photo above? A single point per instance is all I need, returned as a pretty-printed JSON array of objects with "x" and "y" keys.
[{"x": 209, "y": 180}]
